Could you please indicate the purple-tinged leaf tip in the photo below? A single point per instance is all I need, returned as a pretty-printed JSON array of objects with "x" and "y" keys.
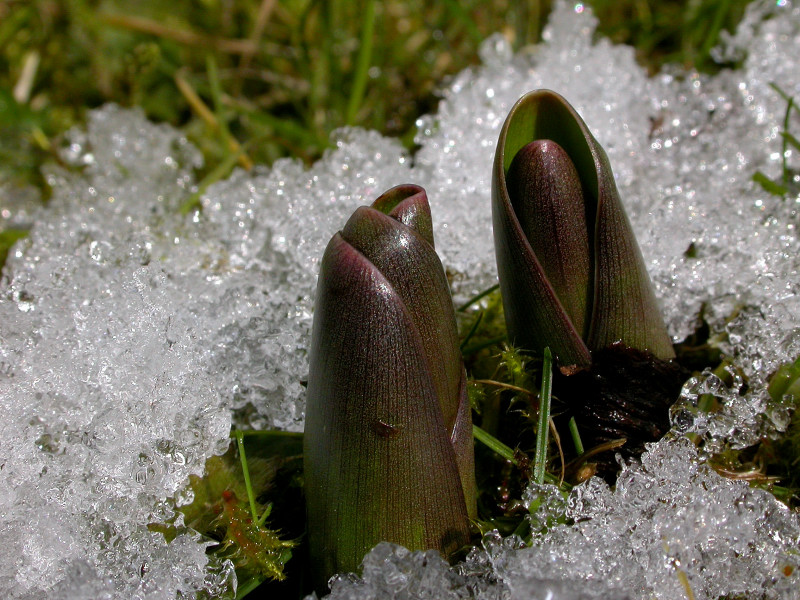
[
  {"x": 408, "y": 204},
  {"x": 547, "y": 197},
  {"x": 409, "y": 262}
]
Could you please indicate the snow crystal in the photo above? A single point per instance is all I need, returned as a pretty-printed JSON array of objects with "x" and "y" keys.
[
  {"x": 671, "y": 524},
  {"x": 671, "y": 527},
  {"x": 107, "y": 400},
  {"x": 133, "y": 336}
]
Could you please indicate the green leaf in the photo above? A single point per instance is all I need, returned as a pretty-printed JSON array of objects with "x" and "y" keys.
[
  {"x": 8, "y": 238},
  {"x": 543, "y": 421},
  {"x": 769, "y": 186}
]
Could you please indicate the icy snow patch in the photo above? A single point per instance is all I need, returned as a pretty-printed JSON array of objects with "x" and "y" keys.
[
  {"x": 132, "y": 337},
  {"x": 670, "y": 525}
]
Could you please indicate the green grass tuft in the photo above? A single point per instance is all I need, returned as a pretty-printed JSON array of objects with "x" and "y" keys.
[{"x": 279, "y": 77}]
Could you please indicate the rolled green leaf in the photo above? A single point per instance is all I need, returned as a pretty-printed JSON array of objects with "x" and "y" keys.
[
  {"x": 386, "y": 455},
  {"x": 551, "y": 180}
]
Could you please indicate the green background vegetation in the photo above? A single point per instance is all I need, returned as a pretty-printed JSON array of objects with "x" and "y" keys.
[{"x": 262, "y": 79}]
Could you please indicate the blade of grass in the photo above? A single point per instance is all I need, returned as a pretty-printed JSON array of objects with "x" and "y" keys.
[
  {"x": 182, "y": 36},
  {"x": 472, "y": 331},
  {"x": 784, "y": 95},
  {"x": 542, "y": 429},
  {"x": 262, "y": 17},
  {"x": 793, "y": 141},
  {"x": 712, "y": 35},
  {"x": 322, "y": 66},
  {"x": 22, "y": 90},
  {"x": 216, "y": 97},
  {"x": 680, "y": 574},
  {"x": 770, "y": 186},
  {"x": 505, "y": 386},
  {"x": 205, "y": 113},
  {"x": 478, "y": 297},
  {"x": 480, "y": 346},
  {"x": 287, "y": 128},
  {"x": 531, "y": 25},
  {"x": 197, "y": 104},
  {"x": 494, "y": 445},
  {"x": 604, "y": 447},
  {"x": 362, "y": 64},
  {"x": 246, "y": 472},
  {"x": 222, "y": 124},
  {"x": 508, "y": 454},
  {"x": 248, "y": 586},
  {"x": 787, "y": 174},
  {"x": 576, "y": 436},
  {"x": 216, "y": 89},
  {"x": 265, "y": 515}
]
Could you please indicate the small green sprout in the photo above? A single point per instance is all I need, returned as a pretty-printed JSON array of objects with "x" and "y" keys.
[{"x": 789, "y": 181}]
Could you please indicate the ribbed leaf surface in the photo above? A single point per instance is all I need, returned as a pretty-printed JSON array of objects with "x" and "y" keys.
[
  {"x": 411, "y": 265},
  {"x": 547, "y": 198},
  {"x": 379, "y": 463},
  {"x": 461, "y": 440},
  {"x": 623, "y": 307}
]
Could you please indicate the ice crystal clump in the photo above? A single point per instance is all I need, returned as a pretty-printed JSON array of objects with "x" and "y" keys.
[
  {"x": 132, "y": 337},
  {"x": 107, "y": 401},
  {"x": 671, "y": 525},
  {"x": 391, "y": 571}
]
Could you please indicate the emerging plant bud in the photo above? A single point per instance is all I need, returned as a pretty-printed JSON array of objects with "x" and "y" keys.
[
  {"x": 571, "y": 273},
  {"x": 388, "y": 442},
  {"x": 573, "y": 278}
]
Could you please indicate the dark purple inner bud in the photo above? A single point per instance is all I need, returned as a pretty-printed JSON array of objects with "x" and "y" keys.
[{"x": 547, "y": 197}]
